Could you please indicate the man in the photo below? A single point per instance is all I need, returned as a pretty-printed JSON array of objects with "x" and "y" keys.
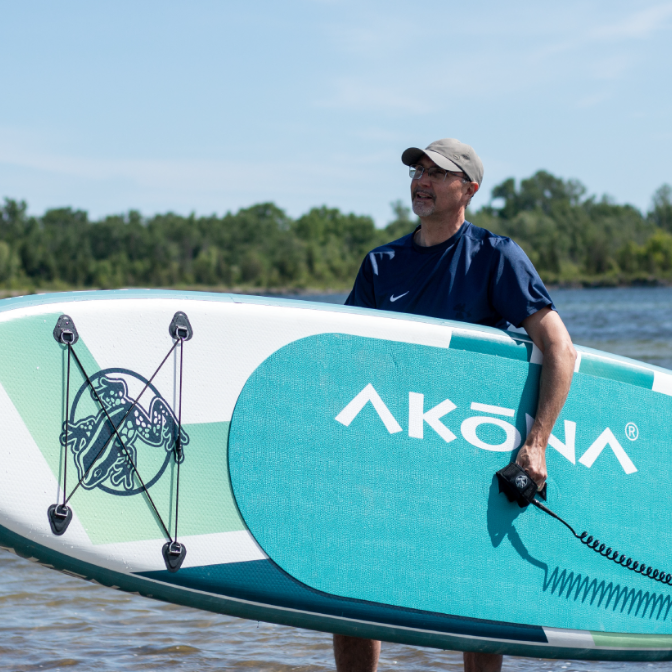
[{"x": 451, "y": 269}]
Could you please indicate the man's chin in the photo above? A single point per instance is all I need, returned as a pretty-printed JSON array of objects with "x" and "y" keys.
[{"x": 423, "y": 207}]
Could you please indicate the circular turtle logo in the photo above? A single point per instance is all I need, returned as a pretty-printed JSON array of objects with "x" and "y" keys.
[{"x": 147, "y": 428}]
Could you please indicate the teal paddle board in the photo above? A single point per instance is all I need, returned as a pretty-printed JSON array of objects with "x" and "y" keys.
[{"x": 332, "y": 468}]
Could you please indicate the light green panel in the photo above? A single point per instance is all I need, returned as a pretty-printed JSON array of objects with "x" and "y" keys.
[
  {"x": 206, "y": 501},
  {"x": 33, "y": 373},
  {"x": 624, "y": 641}
]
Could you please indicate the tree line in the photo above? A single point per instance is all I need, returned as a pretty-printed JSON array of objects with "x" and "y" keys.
[{"x": 570, "y": 237}]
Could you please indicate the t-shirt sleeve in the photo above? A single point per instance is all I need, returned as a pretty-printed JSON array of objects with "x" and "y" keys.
[
  {"x": 517, "y": 291},
  {"x": 362, "y": 294}
]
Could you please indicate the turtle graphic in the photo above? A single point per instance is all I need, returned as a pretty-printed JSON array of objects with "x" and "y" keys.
[{"x": 112, "y": 471}]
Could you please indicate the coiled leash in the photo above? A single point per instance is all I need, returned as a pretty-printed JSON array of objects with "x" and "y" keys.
[
  {"x": 60, "y": 515},
  {"x": 518, "y": 487}
]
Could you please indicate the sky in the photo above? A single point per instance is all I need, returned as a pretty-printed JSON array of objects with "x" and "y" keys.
[{"x": 210, "y": 106}]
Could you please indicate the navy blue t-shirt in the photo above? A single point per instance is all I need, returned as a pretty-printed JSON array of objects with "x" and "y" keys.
[{"x": 474, "y": 276}]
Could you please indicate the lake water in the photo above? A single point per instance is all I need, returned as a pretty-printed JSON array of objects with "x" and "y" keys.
[{"x": 53, "y": 622}]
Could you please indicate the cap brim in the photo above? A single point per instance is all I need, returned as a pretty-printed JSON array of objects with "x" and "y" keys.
[{"x": 413, "y": 154}]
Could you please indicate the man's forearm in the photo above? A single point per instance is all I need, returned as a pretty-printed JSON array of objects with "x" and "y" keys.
[
  {"x": 550, "y": 335},
  {"x": 555, "y": 380}
]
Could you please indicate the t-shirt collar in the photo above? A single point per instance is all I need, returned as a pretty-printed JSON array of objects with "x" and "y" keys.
[{"x": 441, "y": 247}]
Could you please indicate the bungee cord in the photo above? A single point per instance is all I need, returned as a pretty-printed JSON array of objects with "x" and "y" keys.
[{"x": 60, "y": 515}]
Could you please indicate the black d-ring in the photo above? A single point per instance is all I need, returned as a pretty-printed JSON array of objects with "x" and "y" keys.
[
  {"x": 180, "y": 328},
  {"x": 59, "y": 518},
  {"x": 65, "y": 331},
  {"x": 173, "y": 555}
]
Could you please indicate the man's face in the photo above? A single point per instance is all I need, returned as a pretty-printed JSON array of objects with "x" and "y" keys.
[{"x": 438, "y": 198}]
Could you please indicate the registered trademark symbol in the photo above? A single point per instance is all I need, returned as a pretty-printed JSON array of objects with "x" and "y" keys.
[{"x": 631, "y": 431}]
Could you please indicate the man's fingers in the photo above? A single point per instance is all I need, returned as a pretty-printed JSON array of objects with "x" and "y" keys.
[{"x": 537, "y": 475}]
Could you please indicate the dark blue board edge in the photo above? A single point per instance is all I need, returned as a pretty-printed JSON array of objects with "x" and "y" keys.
[
  {"x": 157, "y": 587},
  {"x": 276, "y": 587}
]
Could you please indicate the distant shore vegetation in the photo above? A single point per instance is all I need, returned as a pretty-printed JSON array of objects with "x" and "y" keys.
[{"x": 572, "y": 238}]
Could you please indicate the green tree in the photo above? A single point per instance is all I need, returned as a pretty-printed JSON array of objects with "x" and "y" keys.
[
  {"x": 657, "y": 253},
  {"x": 563, "y": 232},
  {"x": 8, "y": 265},
  {"x": 402, "y": 224},
  {"x": 13, "y": 220},
  {"x": 542, "y": 192},
  {"x": 335, "y": 244},
  {"x": 661, "y": 211}
]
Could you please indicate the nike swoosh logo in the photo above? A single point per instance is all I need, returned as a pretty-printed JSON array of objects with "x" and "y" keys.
[{"x": 395, "y": 298}]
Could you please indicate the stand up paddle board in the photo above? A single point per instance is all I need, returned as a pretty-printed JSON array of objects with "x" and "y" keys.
[{"x": 332, "y": 468}]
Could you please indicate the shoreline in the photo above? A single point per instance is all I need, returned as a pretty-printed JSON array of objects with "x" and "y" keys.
[{"x": 582, "y": 283}]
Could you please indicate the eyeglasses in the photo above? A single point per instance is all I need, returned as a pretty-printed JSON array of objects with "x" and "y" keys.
[{"x": 435, "y": 174}]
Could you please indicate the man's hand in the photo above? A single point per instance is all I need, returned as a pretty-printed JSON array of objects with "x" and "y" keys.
[
  {"x": 549, "y": 334},
  {"x": 533, "y": 460}
]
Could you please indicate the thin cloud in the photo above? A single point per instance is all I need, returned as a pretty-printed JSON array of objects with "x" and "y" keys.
[
  {"x": 613, "y": 67},
  {"x": 374, "y": 35},
  {"x": 145, "y": 173},
  {"x": 193, "y": 179},
  {"x": 556, "y": 49},
  {"x": 379, "y": 134},
  {"x": 638, "y": 25},
  {"x": 593, "y": 100},
  {"x": 354, "y": 93}
]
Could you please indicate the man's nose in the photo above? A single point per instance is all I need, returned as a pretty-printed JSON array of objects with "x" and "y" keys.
[{"x": 424, "y": 179}]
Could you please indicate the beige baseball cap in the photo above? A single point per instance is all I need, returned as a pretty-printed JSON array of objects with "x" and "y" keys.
[{"x": 449, "y": 154}]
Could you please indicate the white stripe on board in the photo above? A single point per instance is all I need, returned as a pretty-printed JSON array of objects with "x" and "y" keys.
[
  {"x": 662, "y": 382},
  {"x": 577, "y": 363},
  {"x": 495, "y": 410},
  {"x": 577, "y": 639},
  {"x": 202, "y": 550},
  {"x": 537, "y": 356}
]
